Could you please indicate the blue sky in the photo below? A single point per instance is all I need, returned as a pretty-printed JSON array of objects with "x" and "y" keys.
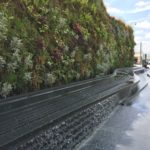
[{"x": 135, "y": 13}]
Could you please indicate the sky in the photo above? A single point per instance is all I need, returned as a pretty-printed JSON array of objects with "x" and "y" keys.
[{"x": 136, "y": 13}]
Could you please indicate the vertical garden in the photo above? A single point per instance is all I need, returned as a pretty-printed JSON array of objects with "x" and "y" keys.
[{"x": 46, "y": 43}]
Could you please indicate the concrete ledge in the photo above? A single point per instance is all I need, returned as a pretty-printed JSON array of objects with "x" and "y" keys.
[
  {"x": 139, "y": 70},
  {"x": 61, "y": 122}
]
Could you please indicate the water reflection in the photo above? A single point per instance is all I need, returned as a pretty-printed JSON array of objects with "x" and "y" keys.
[
  {"x": 140, "y": 134},
  {"x": 143, "y": 104}
]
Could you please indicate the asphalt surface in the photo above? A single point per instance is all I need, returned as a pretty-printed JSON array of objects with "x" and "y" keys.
[{"x": 128, "y": 127}]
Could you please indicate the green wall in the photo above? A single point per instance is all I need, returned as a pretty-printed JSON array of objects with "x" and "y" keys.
[{"x": 46, "y": 43}]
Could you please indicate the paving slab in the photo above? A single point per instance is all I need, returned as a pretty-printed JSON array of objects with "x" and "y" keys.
[{"x": 128, "y": 127}]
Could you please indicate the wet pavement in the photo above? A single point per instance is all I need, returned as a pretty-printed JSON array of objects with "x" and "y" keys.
[{"x": 128, "y": 127}]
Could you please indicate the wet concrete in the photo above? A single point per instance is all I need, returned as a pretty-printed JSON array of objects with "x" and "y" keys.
[{"x": 128, "y": 127}]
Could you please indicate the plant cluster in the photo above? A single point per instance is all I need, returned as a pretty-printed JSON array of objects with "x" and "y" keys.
[{"x": 47, "y": 43}]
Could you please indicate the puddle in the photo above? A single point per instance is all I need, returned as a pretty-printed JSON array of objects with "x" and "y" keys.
[{"x": 139, "y": 134}]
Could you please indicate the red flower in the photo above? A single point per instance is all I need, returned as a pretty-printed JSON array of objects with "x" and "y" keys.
[
  {"x": 56, "y": 55},
  {"x": 40, "y": 43}
]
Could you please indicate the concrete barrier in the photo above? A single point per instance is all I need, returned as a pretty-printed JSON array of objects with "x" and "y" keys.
[{"x": 61, "y": 120}]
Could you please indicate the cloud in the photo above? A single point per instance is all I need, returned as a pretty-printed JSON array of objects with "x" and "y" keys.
[
  {"x": 147, "y": 36},
  {"x": 145, "y": 47},
  {"x": 137, "y": 14},
  {"x": 144, "y": 38},
  {"x": 134, "y": 21},
  {"x": 112, "y": 10},
  {"x": 141, "y": 6},
  {"x": 138, "y": 39},
  {"x": 139, "y": 32},
  {"x": 143, "y": 25}
]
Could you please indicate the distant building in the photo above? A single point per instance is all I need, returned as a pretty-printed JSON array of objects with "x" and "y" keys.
[
  {"x": 144, "y": 56},
  {"x": 137, "y": 58}
]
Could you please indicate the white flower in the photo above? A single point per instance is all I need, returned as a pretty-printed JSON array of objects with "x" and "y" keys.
[
  {"x": 28, "y": 61},
  {"x": 62, "y": 22},
  {"x": 103, "y": 67},
  {"x": 73, "y": 54},
  {"x": 98, "y": 53},
  {"x": 72, "y": 60},
  {"x": 101, "y": 47},
  {"x": 12, "y": 66},
  {"x": 66, "y": 48},
  {"x": 51, "y": 78},
  {"x": 72, "y": 33},
  {"x": 16, "y": 43},
  {"x": 76, "y": 48},
  {"x": 28, "y": 76},
  {"x": 2, "y": 62},
  {"x": 78, "y": 76},
  {"x": 16, "y": 56},
  {"x": 49, "y": 63},
  {"x": 65, "y": 31},
  {"x": 6, "y": 89},
  {"x": 88, "y": 57},
  {"x": 66, "y": 62},
  {"x": 3, "y": 26},
  {"x": 99, "y": 67},
  {"x": 77, "y": 37}
]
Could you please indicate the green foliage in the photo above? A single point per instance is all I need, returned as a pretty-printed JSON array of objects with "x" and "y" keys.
[
  {"x": 45, "y": 43},
  {"x": 3, "y": 26}
]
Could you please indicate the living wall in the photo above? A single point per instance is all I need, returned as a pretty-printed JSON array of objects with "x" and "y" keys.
[{"x": 45, "y": 43}]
